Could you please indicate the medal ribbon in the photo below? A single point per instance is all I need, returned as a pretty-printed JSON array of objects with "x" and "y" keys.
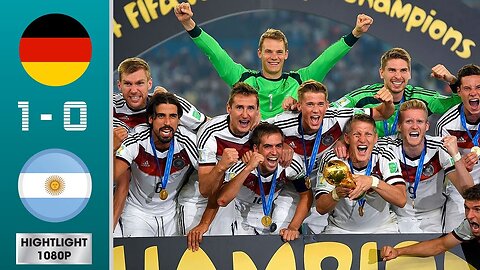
[
  {"x": 463, "y": 120},
  {"x": 418, "y": 174},
  {"x": 392, "y": 131},
  {"x": 368, "y": 172},
  {"x": 168, "y": 164},
  {"x": 267, "y": 206},
  {"x": 313, "y": 156}
]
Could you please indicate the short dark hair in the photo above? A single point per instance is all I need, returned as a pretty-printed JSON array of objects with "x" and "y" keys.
[
  {"x": 261, "y": 130},
  {"x": 241, "y": 88},
  {"x": 163, "y": 98},
  {"x": 360, "y": 118},
  {"x": 467, "y": 70},
  {"x": 472, "y": 193}
]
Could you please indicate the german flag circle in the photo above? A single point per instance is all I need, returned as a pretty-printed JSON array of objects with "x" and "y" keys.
[{"x": 55, "y": 50}]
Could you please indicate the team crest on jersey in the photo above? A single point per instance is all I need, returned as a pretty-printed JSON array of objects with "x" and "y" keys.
[
  {"x": 343, "y": 102},
  {"x": 178, "y": 163},
  {"x": 327, "y": 140},
  {"x": 428, "y": 170},
  {"x": 392, "y": 166}
]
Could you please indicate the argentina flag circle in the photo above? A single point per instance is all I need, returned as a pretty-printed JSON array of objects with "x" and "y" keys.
[{"x": 54, "y": 185}]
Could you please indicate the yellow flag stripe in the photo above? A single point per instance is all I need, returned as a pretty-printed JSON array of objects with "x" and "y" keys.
[{"x": 55, "y": 73}]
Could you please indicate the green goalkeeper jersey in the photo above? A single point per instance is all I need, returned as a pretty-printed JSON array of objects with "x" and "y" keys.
[
  {"x": 271, "y": 92},
  {"x": 363, "y": 98}
]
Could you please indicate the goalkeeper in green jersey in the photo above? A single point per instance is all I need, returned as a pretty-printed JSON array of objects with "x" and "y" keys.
[{"x": 276, "y": 88}]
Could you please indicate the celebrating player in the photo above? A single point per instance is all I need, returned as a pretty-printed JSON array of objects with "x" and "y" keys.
[
  {"x": 160, "y": 157},
  {"x": 425, "y": 161},
  {"x": 255, "y": 186},
  {"x": 376, "y": 173},
  {"x": 395, "y": 70},
  {"x": 462, "y": 121},
  {"x": 272, "y": 83}
]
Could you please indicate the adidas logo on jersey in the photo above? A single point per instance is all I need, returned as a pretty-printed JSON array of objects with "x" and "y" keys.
[
  {"x": 145, "y": 164},
  {"x": 460, "y": 140},
  {"x": 292, "y": 144}
]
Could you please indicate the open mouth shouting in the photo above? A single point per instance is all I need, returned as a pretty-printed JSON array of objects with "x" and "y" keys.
[
  {"x": 271, "y": 162},
  {"x": 244, "y": 124},
  {"x": 474, "y": 103},
  {"x": 315, "y": 120},
  {"x": 475, "y": 227}
]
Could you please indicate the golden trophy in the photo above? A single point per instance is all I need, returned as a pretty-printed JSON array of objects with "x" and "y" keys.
[{"x": 337, "y": 173}]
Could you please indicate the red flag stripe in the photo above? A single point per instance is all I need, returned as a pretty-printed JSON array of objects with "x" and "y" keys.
[{"x": 55, "y": 50}]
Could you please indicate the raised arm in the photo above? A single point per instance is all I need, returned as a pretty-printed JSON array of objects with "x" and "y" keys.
[
  {"x": 362, "y": 25},
  {"x": 184, "y": 14}
]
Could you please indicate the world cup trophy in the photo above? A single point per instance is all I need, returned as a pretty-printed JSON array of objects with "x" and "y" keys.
[{"x": 337, "y": 173}]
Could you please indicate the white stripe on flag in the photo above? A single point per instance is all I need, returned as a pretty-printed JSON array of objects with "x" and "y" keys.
[{"x": 33, "y": 185}]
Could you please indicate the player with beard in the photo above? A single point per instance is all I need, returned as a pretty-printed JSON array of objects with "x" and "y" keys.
[
  {"x": 254, "y": 186},
  {"x": 468, "y": 232},
  {"x": 425, "y": 161},
  {"x": 395, "y": 70},
  {"x": 376, "y": 172},
  {"x": 276, "y": 88},
  {"x": 129, "y": 106},
  {"x": 160, "y": 156},
  {"x": 316, "y": 124},
  {"x": 462, "y": 122}
]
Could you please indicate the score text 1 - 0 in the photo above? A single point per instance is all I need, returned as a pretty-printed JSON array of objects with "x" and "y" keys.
[{"x": 68, "y": 106}]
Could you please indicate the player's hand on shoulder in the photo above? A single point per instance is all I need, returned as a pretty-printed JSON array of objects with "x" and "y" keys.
[
  {"x": 289, "y": 104},
  {"x": 287, "y": 155},
  {"x": 340, "y": 149}
]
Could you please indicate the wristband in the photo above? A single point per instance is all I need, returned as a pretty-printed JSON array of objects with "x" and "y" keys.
[
  {"x": 335, "y": 195},
  {"x": 375, "y": 182},
  {"x": 457, "y": 157}
]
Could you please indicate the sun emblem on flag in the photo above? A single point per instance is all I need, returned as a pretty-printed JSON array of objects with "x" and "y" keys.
[{"x": 54, "y": 185}]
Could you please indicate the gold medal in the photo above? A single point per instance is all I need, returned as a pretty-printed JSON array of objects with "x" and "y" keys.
[
  {"x": 163, "y": 194},
  {"x": 266, "y": 221},
  {"x": 308, "y": 182},
  {"x": 361, "y": 211},
  {"x": 475, "y": 150}
]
